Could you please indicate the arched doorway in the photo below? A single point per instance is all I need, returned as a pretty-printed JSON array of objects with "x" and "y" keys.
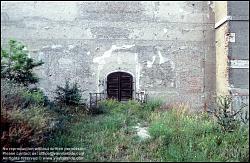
[{"x": 120, "y": 86}]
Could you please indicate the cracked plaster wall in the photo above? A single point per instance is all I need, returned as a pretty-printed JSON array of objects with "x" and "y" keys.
[{"x": 168, "y": 47}]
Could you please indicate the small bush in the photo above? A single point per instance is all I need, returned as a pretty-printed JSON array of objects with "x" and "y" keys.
[
  {"x": 68, "y": 95},
  {"x": 65, "y": 115},
  {"x": 16, "y": 95},
  {"x": 226, "y": 117},
  {"x": 34, "y": 96}
]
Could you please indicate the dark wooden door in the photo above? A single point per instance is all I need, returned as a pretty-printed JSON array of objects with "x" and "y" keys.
[{"x": 120, "y": 86}]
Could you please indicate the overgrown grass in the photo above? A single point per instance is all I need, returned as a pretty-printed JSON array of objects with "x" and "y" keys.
[
  {"x": 25, "y": 122},
  {"x": 176, "y": 135},
  {"x": 184, "y": 137}
]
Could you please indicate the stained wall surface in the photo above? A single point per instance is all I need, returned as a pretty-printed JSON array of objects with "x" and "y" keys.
[{"x": 168, "y": 47}]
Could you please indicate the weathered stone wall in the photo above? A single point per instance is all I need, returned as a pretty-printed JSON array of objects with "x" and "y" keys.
[{"x": 168, "y": 47}]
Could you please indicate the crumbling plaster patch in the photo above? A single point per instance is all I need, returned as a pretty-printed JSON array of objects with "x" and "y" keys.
[
  {"x": 104, "y": 60},
  {"x": 150, "y": 63},
  {"x": 161, "y": 60}
]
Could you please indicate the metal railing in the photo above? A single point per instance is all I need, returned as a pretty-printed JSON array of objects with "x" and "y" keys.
[
  {"x": 95, "y": 98},
  {"x": 141, "y": 97}
]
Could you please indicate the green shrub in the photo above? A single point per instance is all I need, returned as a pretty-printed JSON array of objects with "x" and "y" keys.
[
  {"x": 17, "y": 95},
  {"x": 226, "y": 117},
  {"x": 16, "y": 65},
  {"x": 35, "y": 96},
  {"x": 68, "y": 95}
]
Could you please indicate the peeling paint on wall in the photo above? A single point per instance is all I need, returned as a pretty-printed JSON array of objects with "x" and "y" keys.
[
  {"x": 107, "y": 54},
  {"x": 101, "y": 60},
  {"x": 162, "y": 59},
  {"x": 70, "y": 47},
  {"x": 165, "y": 30},
  {"x": 150, "y": 63},
  {"x": 56, "y": 46}
]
